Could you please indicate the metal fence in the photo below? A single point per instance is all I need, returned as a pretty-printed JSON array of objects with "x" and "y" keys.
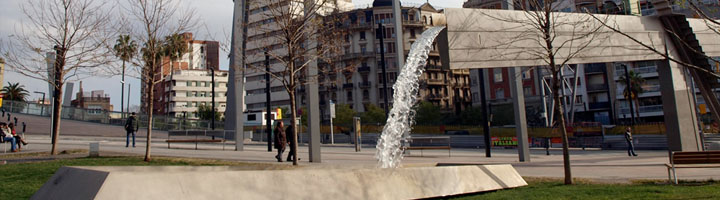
[{"x": 160, "y": 122}]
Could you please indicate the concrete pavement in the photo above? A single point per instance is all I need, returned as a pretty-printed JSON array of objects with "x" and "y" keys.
[{"x": 604, "y": 165}]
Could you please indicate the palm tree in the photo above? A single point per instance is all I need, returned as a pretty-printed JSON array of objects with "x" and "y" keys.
[
  {"x": 14, "y": 92},
  {"x": 125, "y": 49},
  {"x": 174, "y": 47},
  {"x": 631, "y": 93}
]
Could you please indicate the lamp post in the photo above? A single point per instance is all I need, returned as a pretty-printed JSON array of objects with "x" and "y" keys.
[
  {"x": 380, "y": 35},
  {"x": 267, "y": 100},
  {"x": 212, "y": 75},
  {"x": 42, "y": 106},
  {"x": 122, "y": 95}
]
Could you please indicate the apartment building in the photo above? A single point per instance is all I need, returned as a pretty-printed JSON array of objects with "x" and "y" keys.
[
  {"x": 189, "y": 89},
  {"x": 363, "y": 83},
  {"x": 202, "y": 56},
  {"x": 261, "y": 31}
]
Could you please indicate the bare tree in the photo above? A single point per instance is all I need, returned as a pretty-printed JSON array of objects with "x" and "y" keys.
[
  {"x": 150, "y": 21},
  {"x": 291, "y": 25},
  {"x": 75, "y": 30},
  {"x": 541, "y": 34}
]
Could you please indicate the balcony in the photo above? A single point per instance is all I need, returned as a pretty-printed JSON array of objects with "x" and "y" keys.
[
  {"x": 350, "y": 56},
  {"x": 643, "y": 109},
  {"x": 597, "y": 87},
  {"x": 348, "y": 86},
  {"x": 431, "y": 67},
  {"x": 595, "y": 69},
  {"x": 434, "y": 97},
  {"x": 364, "y": 69},
  {"x": 599, "y": 105},
  {"x": 333, "y": 87},
  {"x": 415, "y": 23},
  {"x": 434, "y": 82},
  {"x": 365, "y": 84},
  {"x": 364, "y": 25}
]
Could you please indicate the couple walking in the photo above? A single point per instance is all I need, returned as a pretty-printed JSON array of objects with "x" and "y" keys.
[{"x": 281, "y": 141}]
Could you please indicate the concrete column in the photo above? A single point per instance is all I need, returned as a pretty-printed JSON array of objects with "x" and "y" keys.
[
  {"x": 397, "y": 12},
  {"x": 516, "y": 87},
  {"x": 313, "y": 102},
  {"x": 678, "y": 106},
  {"x": 234, "y": 112}
]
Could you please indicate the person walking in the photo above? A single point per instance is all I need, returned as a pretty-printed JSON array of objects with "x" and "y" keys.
[
  {"x": 291, "y": 141},
  {"x": 131, "y": 126},
  {"x": 280, "y": 140},
  {"x": 629, "y": 140},
  {"x": 6, "y": 136}
]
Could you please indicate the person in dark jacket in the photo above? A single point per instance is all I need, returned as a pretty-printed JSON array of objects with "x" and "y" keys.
[
  {"x": 290, "y": 131},
  {"x": 280, "y": 140},
  {"x": 131, "y": 126},
  {"x": 629, "y": 140}
]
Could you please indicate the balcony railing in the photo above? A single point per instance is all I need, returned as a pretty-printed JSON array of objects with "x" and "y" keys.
[
  {"x": 348, "y": 86},
  {"x": 366, "y": 84},
  {"x": 412, "y": 23},
  {"x": 364, "y": 69},
  {"x": 596, "y": 87},
  {"x": 595, "y": 69},
  {"x": 643, "y": 109},
  {"x": 599, "y": 105}
]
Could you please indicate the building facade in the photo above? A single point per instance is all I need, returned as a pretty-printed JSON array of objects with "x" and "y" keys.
[
  {"x": 191, "y": 71},
  {"x": 363, "y": 84}
]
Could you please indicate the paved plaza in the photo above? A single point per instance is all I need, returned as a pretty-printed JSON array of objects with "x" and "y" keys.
[
  {"x": 606, "y": 165},
  {"x": 611, "y": 166}
]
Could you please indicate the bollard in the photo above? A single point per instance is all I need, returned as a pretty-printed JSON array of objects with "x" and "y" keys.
[
  {"x": 358, "y": 134},
  {"x": 94, "y": 149}
]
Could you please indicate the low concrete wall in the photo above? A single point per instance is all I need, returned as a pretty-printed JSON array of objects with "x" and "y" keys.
[{"x": 177, "y": 182}]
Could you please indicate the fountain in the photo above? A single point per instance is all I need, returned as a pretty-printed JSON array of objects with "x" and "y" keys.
[
  {"x": 401, "y": 117},
  {"x": 224, "y": 182}
]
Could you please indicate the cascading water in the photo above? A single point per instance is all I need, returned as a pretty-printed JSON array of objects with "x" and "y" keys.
[{"x": 401, "y": 117}]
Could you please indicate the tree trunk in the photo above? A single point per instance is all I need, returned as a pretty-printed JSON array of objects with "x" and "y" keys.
[
  {"x": 295, "y": 131},
  {"x": 563, "y": 128},
  {"x": 637, "y": 109},
  {"x": 149, "y": 111},
  {"x": 57, "y": 108}
]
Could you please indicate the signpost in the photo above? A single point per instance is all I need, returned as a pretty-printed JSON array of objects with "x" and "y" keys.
[{"x": 332, "y": 115}]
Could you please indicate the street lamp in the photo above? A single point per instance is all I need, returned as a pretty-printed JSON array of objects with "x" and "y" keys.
[{"x": 43, "y": 102}]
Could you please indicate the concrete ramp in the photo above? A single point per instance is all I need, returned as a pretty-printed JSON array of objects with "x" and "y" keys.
[{"x": 180, "y": 182}]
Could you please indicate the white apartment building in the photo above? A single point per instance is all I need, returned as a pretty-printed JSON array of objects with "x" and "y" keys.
[
  {"x": 189, "y": 89},
  {"x": 260, "y": 30}
]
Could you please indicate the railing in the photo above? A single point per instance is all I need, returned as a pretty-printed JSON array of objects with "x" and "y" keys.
[
  {"x": 160, "y": 122},
  {"x": 365, "y": 84},
  {"x": 643, "y": 109},
  {"x": 599, "y": 105},
  {"x": 347, "y": 86},
  {"x": 596, "y": 87},
  {"x": 595, "y": 69},
  {"x": 364, "y": 69},
  {"x": 645, "y": 70}
]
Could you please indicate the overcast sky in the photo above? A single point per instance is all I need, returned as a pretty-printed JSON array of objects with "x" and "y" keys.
[{"x": 215, "y": 15}]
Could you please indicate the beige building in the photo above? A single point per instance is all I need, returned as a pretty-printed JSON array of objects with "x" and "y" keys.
[
  {"x": 190, "y": 89},
  {"x": 362, "y": 84}
]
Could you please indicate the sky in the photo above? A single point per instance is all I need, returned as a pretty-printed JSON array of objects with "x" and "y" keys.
[{"x": 215, "y": 17}]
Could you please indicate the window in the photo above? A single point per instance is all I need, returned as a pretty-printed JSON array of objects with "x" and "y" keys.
[
  {"x": 499, "y": 93},
  {"x": 362, "y": 35},
  {"x": 527, "y": 74},
  {"x": 527, "y": 91},
  {"x": 349, "y": 96},
  {"x": 412, "y": 33},
  {"x": 497, "y": 75},
  {"x": 366, "y": 95}
]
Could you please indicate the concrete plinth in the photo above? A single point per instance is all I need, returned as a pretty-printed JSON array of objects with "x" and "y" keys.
[{"x": 179, "y": 182}]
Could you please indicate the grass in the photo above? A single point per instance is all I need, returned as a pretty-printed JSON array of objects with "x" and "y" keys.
[
  {"x": 555, "y": 189},
  {"x": 24, "y": 179}
]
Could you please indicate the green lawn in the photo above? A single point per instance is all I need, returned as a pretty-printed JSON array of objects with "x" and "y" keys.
[
  {"x": 555, "y": 189},
  {"x": 26, "y": 178}
]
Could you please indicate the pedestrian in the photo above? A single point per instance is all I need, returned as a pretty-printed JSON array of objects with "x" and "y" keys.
[
  {"x": 280, "y": 140},
  {"x": 291, "y": 141},
  {"x": 6, "y": 136},
  {"x": 131, "y": 126},
  {"x": 18, "y": 139},
  {"x": 629, "y": 140}
]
